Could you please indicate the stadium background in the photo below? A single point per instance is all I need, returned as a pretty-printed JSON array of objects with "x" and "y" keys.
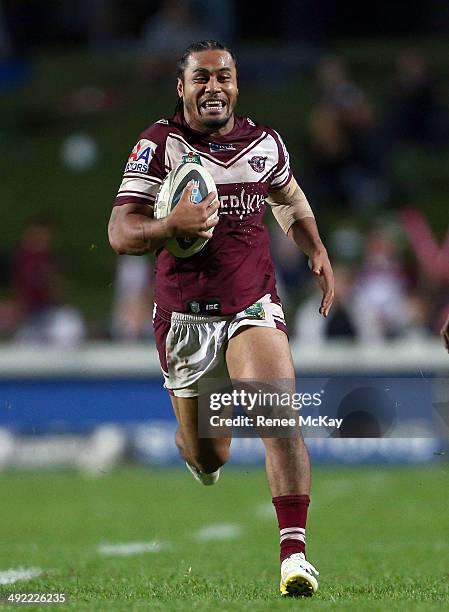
[{"x": 360, "y": 95}]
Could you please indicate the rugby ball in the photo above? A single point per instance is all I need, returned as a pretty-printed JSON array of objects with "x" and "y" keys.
[{"x": 169, "y": 195}]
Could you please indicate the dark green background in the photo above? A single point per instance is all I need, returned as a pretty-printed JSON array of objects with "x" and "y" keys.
[{"x": 35, "y": 122}]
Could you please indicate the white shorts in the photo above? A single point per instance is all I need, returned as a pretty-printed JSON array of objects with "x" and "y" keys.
[{"x": 195, "y": 345}]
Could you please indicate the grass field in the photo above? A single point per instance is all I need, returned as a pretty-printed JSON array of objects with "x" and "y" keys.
[{"x": 378, "y": 535}]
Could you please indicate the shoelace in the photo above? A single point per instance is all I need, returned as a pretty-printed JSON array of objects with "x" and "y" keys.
[{"x": 304, "y": 563}]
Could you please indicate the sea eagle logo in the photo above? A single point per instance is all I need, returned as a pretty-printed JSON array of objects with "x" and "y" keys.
[
  {"x": 195, "y": 307},
  {"x": 257, "y": 163}
]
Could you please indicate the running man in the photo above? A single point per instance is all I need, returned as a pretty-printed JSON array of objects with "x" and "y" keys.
[{"x": 232, "y": 277}]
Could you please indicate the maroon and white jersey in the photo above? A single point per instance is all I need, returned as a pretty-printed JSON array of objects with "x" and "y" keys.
[{"x": 234, "y": 269}]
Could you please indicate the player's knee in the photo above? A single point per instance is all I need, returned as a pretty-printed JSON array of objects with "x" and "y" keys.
[
  {"x": 207, "y": 456},
  {"x": 210, "y": 459},
  {"x": 180, "y": 442},
  {"x": 210, "y": 462},
  {"x": 284, "y": 445}
]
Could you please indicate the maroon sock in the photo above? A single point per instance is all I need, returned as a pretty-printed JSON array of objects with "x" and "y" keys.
[{"x": 291, "y": 511}]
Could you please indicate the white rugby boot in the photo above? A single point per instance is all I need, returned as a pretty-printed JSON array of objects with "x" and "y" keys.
[
  {"x": 297, "y": 577},
  {"x": 205, "y": 479}
]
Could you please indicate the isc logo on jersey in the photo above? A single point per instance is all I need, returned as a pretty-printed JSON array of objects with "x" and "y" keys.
[{"x": 141, "y": 156}]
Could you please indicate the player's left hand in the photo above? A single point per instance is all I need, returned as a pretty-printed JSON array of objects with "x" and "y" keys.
[
  {"x": 445, "y": 334},
  {"x": 321, "y": 267}
]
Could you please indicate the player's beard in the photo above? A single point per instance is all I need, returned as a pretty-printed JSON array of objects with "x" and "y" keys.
[{"x": 216, "y": 123}]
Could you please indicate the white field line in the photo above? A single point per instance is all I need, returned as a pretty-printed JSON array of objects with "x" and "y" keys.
[
  {"x": 333, "y": 490},
  {"x": 125, "y": 549},
  {"x": 218, "y": 531},
  {"x": 372, "y": 481},
  {"x": 329, "y": 491},
  {"x": 21, "y": 573}
]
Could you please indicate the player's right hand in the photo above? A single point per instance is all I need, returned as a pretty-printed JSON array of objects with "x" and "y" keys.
[
  {"x": 321, "y": 268},
  {"x": 190, "y": 219}
]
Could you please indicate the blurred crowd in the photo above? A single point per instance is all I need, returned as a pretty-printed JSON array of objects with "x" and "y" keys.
[
  {"x": 391, "y": 264},
  {"x": 38, "y": 310},
  {"x": 378, "y": 295},
  {"x": 350, "y": 143},
  {"x": 392, "y": 271}
]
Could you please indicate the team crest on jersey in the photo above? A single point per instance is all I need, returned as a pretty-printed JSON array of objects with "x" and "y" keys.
[
  {"x": 141, "y": 155},
  {"x": 257, "y": 163},
  {"x": 192, "y": 158},
  {"x": 216, "y": 147},
  {"x": 194, "y": 307}
]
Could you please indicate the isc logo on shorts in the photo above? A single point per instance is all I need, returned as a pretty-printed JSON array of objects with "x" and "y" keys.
[{"x": 208, "y": 307}]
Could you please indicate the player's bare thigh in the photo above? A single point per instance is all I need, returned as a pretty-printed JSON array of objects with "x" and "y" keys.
[
  {"x": 263, "y": 355},
  {"x": 260, "y": 353},
  {"x": 260, "y": 356},
  {"x": 207, "y": 454}
]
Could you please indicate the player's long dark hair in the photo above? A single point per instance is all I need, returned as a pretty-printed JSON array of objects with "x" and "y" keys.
[{"x": 196, "y": 47}]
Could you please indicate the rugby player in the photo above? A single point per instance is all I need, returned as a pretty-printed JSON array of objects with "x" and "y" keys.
[{"x": 220, "y": 308}]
